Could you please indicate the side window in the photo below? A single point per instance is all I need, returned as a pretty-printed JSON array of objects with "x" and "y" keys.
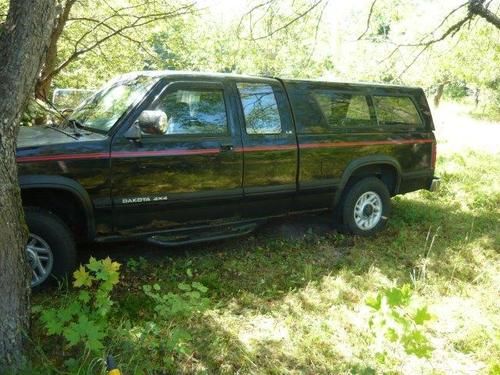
[
  {"x": 190, "y": 111},
  {"x": 396, "y": 110},
  {"x": 343, "y": 110},
  {"x": 260, "y": 108}
]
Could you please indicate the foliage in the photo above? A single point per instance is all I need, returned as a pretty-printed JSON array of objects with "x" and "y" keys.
[
  {"x": 223, "y": 37},
  {"x": 84, "y": 320},
  {"x": 177, "y": 305},
  {"x": 37, "y": 112},
  {"x": 392, "y": 320}
]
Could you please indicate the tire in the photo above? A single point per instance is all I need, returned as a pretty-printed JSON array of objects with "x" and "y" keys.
[
  {"x": 51, "y": 247},
  {"x": 366, "y": 207}
]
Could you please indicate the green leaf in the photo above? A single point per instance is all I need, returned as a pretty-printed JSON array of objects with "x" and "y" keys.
[
  {"x": 94, "y": 264},
  {"x": 82, "y": 278},
  {"x": 398, "y": 296},
  {"x": 200, "y": 287},
  {"x": 53, "y": 325},
  {"x": 416, "y": 343},
  {"x": 421, "y": 315},
  {"x": 84, "y": 296},
  {"x": 189, "y": 272},
  {"x": 184, "y": 287},
  {"x": 375, "y": 303},
  {"x": 156, "y": 287},
  {"x": 380, "y": 357},
  {"x": 95, "y": 335},
  {"x": 392, "y": 335},
  {"x": 72, "y": 335}
]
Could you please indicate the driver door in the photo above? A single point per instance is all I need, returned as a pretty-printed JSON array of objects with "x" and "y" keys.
[{"x": 185, "y": 174}]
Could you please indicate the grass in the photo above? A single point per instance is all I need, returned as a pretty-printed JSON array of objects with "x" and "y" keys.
[{"x": 297, "y": 306}]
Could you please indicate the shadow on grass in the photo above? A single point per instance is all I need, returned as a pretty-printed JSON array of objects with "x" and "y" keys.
[
  {"x": 291, "y": 252},
  {"x": 255, "y": 273}
]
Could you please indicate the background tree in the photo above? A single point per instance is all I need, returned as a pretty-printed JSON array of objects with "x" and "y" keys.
[
  {"x": 23, "y": 43},
  {"x": 86, "y": 26}
]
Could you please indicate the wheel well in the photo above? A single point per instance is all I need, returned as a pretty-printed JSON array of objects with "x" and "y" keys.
[
  {"x": 62, "y": 203},
  {"x": 385, "y": 172}
]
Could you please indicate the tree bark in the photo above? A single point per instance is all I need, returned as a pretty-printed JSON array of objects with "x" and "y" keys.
[
  {"x": 439, "y": 94},
  {"x": 44, "y": 81},
  {"x": 23, "y": 44},
  {"x": 478, "y": 8}
]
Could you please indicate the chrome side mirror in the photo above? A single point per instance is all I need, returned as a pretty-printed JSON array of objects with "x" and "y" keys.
[{"x": 153, "y": 122}]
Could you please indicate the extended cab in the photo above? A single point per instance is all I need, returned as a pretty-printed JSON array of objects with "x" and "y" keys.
[{"x": 177, "y": 158}]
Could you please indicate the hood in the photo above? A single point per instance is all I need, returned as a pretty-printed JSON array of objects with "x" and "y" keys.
[
  {"x": 40, "y": 136},
  {"x": 43, "y": 136}
]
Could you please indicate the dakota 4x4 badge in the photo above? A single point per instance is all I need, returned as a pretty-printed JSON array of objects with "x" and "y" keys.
[{"x": 143, "y": 199}]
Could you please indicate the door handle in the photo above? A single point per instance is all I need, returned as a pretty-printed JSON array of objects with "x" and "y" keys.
[{"x": 225, "y": 148}]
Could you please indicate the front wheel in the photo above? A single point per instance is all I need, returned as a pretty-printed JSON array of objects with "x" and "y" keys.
[
  {"x": 366, "y": 207},
  {"x": 51, "y": 248}
]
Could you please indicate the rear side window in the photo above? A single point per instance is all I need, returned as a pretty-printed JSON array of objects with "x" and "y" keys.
[
  {"x": 343, "y": 110},
  {"x": 396, "y": 110},
  {"x": 260, "y": 108}
]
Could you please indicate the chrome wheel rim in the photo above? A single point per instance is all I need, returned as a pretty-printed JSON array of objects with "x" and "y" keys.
[
  {"x": 40, "y": 258},
  {"x": 368, "y": 210}
]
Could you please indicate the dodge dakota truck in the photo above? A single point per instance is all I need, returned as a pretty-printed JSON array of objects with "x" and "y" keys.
[{"x": 180, "y": 157}]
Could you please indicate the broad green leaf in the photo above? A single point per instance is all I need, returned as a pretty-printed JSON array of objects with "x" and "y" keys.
[
  {"x": 374, "y": 302},
  {"x": 53, "y": 325},
  {"x": 184, "y": 287},
  {"x": 200, "y": 287},
  {"x": 72, "y": 335},
  {"x": 95, "y": 335},
  {"x": 416, "y": 343},
  {"x": 84, "y": 296},
  {"x": 94, "y": 264},
  {"x": 421, "y": 315},
  {"x": 82, "y": 278},
  {"x": 398, "y": 296},
  {"x": 392, "y": 335}
]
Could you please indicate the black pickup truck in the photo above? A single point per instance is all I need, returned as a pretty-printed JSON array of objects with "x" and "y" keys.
[{"x": 175, "y": 157}]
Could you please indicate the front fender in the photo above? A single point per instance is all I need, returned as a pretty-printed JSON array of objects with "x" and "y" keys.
[{"x": 63, "y": 183}]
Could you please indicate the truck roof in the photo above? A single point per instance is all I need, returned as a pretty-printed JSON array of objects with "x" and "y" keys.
[{"x": 345, "y": 84}]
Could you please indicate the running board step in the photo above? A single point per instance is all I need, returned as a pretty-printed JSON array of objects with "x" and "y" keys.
[{"x": 202, "y": 236}]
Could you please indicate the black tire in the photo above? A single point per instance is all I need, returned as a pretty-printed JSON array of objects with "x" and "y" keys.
[
  {"x": 52, "y": 230},
  {"x": 374, "y": 213}
]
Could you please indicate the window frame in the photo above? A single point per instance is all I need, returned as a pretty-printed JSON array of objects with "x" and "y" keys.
[
  {"x": 192, "y": 86},
  {"x": 404, "y": 127},
  {"x": 279, "y": 106}
]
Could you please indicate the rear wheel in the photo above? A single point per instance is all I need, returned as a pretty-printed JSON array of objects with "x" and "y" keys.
[
  {"x": 366, "y": 207},
  {"x": 51, "y": 248}
]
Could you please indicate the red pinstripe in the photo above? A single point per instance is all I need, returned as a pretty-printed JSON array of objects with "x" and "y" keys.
[{"x": 211, "y": 151}]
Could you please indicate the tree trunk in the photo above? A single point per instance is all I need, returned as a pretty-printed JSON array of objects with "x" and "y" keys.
[
  {"x": 23, "y": 43},
  {"x": 44, "y": 81},
  {"x": 439, "y": 94}
]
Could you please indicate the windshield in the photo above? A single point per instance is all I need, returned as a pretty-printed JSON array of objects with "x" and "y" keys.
[{"x": 101, "y": 111}]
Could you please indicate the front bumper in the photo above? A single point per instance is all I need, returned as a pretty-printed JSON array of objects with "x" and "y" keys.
[{"x": 435, "y": 184}]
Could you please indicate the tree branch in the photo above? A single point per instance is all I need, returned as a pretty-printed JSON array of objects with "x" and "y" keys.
[
  {"x": 138, "y": 21},
  {"x": 478, "y": 8},
  {"x": 269, "y": 3},
  {"x": 368, "y": 20}
]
